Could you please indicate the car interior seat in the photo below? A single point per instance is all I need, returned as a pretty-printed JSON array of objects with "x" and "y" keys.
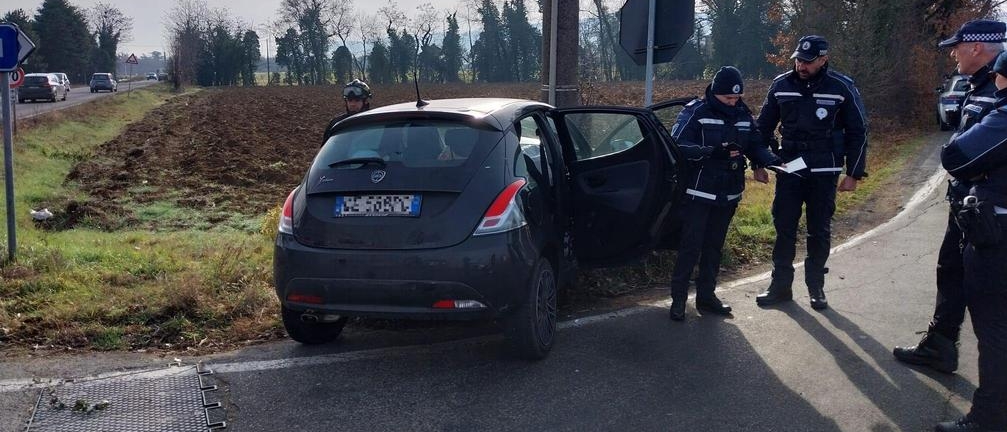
[{"x": 423, "y": 143}]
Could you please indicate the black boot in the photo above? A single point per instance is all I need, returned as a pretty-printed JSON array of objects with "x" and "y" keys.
[
  {"x": 818, "y": 301},
  {"x": 774, "y": 294},
  {"x": 964, "y": 424},
  {"x": 712, "y": 304},
  {"x": 677, "y": 312},
  {"x": 934, "y": 350}
]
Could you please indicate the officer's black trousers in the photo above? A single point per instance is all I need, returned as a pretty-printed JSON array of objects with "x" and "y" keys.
[
  {"x": 818, "y": 192},
  {"x": 986, "y": 296},
  {"x": 949, "y": 313},
  {"x": 704, "y": 230}
]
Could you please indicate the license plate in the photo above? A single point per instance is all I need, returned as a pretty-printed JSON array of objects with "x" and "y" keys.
[{"x": 378, "y": 205}]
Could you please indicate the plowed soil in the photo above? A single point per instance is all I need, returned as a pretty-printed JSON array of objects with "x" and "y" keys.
[{"x": 232, "y": 151}]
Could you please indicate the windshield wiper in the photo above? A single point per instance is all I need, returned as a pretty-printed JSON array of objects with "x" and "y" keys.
[{"x": 359, "y": 160}]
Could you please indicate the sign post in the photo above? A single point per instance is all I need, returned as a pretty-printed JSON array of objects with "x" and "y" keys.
[
  {"x": 16, "y": 79},
  {"x": 131, "y": 61},
  {"x": 14, "y": 48},
  {"x": 654, "y": 31}
]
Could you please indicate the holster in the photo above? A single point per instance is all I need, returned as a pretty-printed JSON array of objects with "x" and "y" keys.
[{"x": 978, "y": 220}]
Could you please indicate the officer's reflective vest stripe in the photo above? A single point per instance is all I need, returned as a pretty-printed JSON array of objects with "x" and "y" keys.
[
  {"x": 829, "y": 96},
  {"x": 743, "y": 124},
  {"x": 1000, "y": 210},
  {"x": 711, "y": 121},
  {"x": 710, "y": 196},
  {"x": 778, "y": 94},
  {"x": 982, "y": 99},
  {"x": 837, "y": 169}
]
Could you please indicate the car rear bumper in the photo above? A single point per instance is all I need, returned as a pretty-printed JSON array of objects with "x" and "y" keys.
[
  {"x": 492, "y": 270},
  {"x": 33, "y": 93}
]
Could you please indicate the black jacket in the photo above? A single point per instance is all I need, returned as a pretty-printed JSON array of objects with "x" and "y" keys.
[
  {"x": 821, "y": 119},
  {"x": 980, "y": 155},
  {"x": 706, "y": 124},
  {"x": 979, "y": 101}
]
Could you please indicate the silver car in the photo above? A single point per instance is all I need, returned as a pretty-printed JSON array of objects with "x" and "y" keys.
[{"x": 949, "y": 101}]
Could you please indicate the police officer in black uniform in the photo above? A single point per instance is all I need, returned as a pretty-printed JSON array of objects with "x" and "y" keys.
[
  {"x": 975, "y": 48},
  {"x": 822, "y": 120},
  {"x": 357, "y": 98},
  {"x": 714, "y": 133},
  {"x": 979, "y": 156}
]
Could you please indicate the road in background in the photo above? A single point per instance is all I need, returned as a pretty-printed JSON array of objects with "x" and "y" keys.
[{"x": 79, "y": 94}]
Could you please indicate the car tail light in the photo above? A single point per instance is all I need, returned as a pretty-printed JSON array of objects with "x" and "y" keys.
[
  {"x": 304, "y": 298},
  {"x": 286, "y": 225},
  {"x": 504, "y": 214},
  {"x": 458, "y": 304}
]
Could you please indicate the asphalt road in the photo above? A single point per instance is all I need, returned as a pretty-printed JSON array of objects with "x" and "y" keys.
[
  {"x": 79, "y": 94},
  {"x": 779, "y": 369}
]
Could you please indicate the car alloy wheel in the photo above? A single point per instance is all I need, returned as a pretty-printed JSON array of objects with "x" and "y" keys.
[{"x": 532, "y": 327}]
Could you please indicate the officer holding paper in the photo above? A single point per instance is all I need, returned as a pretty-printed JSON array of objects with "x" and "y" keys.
[{"x": 822, "y": 122}]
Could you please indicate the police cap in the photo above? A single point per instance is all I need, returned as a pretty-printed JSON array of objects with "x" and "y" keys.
[
  {"x": 977, "y": 31},
  {"x": 811, "y": 47}
]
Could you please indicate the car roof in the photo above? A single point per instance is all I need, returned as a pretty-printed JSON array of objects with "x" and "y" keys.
[
  {"x": 39, "y": 74},
  {"x": 496, "y": 113}
]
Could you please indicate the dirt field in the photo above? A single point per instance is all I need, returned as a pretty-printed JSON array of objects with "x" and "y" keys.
[{"x": 241, "y": 150}]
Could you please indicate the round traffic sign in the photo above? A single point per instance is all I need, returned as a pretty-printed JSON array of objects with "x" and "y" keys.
[{"x": 16, "y": 78}]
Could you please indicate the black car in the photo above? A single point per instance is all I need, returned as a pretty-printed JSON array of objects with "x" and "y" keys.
[{"x": 470, "y": 209}]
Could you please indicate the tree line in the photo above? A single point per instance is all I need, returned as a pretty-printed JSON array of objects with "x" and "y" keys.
[{"x": 72, "y": 40}]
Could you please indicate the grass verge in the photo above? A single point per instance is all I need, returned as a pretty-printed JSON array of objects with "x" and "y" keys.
[{"x": 90, "y": 289}]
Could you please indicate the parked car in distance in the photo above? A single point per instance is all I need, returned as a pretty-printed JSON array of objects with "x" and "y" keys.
[
  {"x": 103, "y": 81},
  {"x": 152, "y": 76},
  {"x": 470, "y": 209},
  {"x": 45, "y": 86},
  {"x": 949, "y": 101}
]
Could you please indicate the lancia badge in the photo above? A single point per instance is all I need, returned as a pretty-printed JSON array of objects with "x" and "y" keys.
[
  {"x": 821, "y": 113},
  {"x": 377, "y": 176}
]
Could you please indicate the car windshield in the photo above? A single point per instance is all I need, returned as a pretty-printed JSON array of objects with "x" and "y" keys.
[{"x": 413, "y": 143}]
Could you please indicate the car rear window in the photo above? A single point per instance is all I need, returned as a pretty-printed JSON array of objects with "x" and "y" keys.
[
  {"x": 413, "y": 143},
  {"x": 35, "y": 79},
  {"x": 962, "y": 85}
]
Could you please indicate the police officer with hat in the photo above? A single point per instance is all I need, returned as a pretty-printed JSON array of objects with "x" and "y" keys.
[
  {"x": 357, "y": 98},
  {"x": 715, "y": 134},
  {"x": 822, "y": 120},
  {"x": 979, "y": 156},
  {"x": 975, "y": 48}
]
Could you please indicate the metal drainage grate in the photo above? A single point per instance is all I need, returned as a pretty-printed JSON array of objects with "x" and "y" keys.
[{"x": 175, "y": 401}]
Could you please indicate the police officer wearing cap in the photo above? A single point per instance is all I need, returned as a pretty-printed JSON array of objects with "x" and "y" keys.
[
  {"x": 357, "y": 98},
  {"x": 715, "y": 134},
  {"x": 822, "y": 120},
  {"x": 979, "y": 156},
  {"x": 975, "y": 48}
]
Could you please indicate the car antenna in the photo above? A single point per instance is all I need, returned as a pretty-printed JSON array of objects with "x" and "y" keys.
[{"x": 420, "y": 103}]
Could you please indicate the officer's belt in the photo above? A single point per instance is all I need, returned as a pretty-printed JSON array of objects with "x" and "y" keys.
[
  {"x": 807, "y": 145},
  {"x": 733, "y": 164}
]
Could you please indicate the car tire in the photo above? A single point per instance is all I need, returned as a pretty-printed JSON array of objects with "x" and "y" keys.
[
  {"x": 531, "y": 329},
  {"x": 309, "y": 333}
]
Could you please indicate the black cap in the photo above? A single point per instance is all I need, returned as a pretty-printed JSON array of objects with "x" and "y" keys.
[
  {"x": 810, "y": 48},
  {"x": 727, "y": 81},
  {"x": 977, "y": 31},
  {"x": 1000, "y": 66}
]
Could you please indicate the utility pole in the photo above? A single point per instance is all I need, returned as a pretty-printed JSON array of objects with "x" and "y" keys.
[{"x": 559, "y": 52}]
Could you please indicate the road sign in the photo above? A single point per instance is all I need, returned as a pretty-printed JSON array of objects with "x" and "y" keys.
[
  {"x": 17, "y": 78},
  {"x": 14, "y": 47},
  {"x": 132, "y": 59},
  {"x": 673, "y": 25}
]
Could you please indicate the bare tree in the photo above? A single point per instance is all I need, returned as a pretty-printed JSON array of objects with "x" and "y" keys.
[
  {"x": 369, "y": 30},
  {"x": 183, "y": 23},
  {"x": 109, "y": 26}
]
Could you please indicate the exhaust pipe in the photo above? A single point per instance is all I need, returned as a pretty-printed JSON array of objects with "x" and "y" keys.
[{"x": 309, "y": 318}]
